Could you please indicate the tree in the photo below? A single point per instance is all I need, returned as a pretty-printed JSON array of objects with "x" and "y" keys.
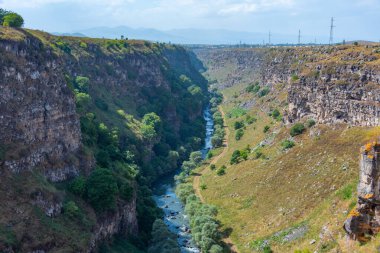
[
  {"x": 3, "y": 13},
  {"x": 71, "y": 209},
  {"x": 13, "y": 20},
  {"x": 102, "y": 190},
  {"x": 235, "y": 157},
  {"x": 216, "y": 141},
  {"x": 238, "y": 125},
  {"x": 152, "y": 119},
  {"x": 196, "y": 157},
  {"x": 163, "y": 241},
  {"x": 78, "y": 186},
  {"x": 266, "y": 129}
]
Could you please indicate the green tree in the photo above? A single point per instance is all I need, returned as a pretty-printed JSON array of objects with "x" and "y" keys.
[
  {"x": 102, "y": 190},
  {"x": 13, "y": 20},
  {"x": 196, "y": 157},
  {"x": 235, "y": 157},
  {"x": 163, "y": 241},
  {"x": 238, "y": 125},
  {"x": 216, "y": 141},
  {"x": 297, "y": 129},
  {"x": 78, "y": 186},
  {"x": 266, "y": 129}
]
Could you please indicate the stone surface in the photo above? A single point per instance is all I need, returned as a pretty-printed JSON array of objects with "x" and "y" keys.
[{"x": 38, "y": 121}]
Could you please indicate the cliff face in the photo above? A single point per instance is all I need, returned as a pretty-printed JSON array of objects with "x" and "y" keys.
[
  {"x": 42, "y": 140},
  {"x": 330, "y": 85},
  {"x": 39, "y": 125},
  {"x": 364, "y": 220}
]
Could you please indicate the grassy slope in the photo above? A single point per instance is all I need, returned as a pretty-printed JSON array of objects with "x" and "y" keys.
[{"x": 308, "y": 184}]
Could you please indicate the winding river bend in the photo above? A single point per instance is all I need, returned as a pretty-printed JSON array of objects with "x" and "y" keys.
[{"x": 166, "y": 199}]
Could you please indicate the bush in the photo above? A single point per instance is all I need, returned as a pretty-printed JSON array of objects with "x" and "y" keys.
[
  {"x": 13, "y": 20},
  {"x": 212, "y": 166},
  {"x": 196, "y": 157},
  {"x": 238, "y": 125},
  {"x": 209, "y": 154},
  {"x": 239, "y": 133},
  {"x": 250, "y": 120},
  {"x": 203, "y": 186},
  {"x": 287, "y": 144},
  {"x": 235, "y": 157},
  {"x": 310, "y": 123},
  {"x": 263, "y": 92},
  {"x": 297, "y": 129},
  {"x": 295, "y": 78},
  {"x": 266, "y": 129},
  {"x": 276, "y": 114},
  {"x": 102, "y": 190},
  {"x": 162, "y": 239},
  {"x": 78, "y": 186},
  {"x": 82, "y": 83},
  {"x": 221, "y": 171},
  {"x": 71, "y": 209}
]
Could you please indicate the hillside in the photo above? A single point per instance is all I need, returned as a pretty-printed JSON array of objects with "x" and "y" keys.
[
  {"x": 290, "y": 186},
  {"x": 87, "y": 125}
]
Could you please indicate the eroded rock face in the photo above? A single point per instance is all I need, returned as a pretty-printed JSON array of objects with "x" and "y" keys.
[
  {"x": 38, "y": 122},
  {"x": 365, "y": 218}
]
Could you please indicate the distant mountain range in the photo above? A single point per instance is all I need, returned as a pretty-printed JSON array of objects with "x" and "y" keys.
[{"x": 192, "y": 36}]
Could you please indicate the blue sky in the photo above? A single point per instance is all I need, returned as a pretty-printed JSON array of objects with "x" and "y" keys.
[{"x": 355, "y": 19}]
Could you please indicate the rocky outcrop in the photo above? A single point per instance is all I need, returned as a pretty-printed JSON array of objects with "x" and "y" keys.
[
  {"x": 38, "y": 121},
  {"x": 364, "y": 220}
]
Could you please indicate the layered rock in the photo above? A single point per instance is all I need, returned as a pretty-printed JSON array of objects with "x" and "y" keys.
[
  {"x": 364, "y": 220},
  {"x": 38, "y": 125}
]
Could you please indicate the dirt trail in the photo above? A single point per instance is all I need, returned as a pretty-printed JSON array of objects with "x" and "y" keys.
[{"x": 197, "y": 177}]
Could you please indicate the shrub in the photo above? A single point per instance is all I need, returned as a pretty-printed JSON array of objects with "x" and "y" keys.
[
  {"x": 238, "y": 125},
  {"x": 310, "y": 123},
  {"x": 221, "y": 171},
  {"x": 295, "y": 78},
  {"x": 263, "y": 92},
  {"x": 102, "y": 190},
  {"x": 250, "y": 120},
  {"x": 239, "y": 133},
  {"x": 196, "y": 157},
  {"x": 297, "y": 129},
  {"x": 209, "y": 154},
  {"x": 71, "y": 209},
  {"x": 203, "y": 186},
  {"x": 78, "y": 186},
  {"x": 13, "y": 20},
  {"x": 235, "y": 157},
  {"x": 212, "y": 166},
  {"x": 82, "y": 83},
  {"x": 287, "y": 144},
  {"x": 276, "y": 114},
  {"x": 266, "y": 129},
  {"x": 258, "y": 153},
  {"x": 82, "y": 100}
]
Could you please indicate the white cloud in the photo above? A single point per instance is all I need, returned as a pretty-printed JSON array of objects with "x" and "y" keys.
[{"x": 250, "y": 6}]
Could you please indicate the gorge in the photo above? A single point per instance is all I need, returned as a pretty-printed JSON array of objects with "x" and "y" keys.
[{"x": 94, "y": 130}]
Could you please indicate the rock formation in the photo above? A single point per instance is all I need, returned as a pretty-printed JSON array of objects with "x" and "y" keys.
[{"x": 364, "y": 220}]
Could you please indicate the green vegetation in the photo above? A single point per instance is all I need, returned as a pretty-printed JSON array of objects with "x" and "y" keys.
[
  {"x": 287, "y": 144},
  {"x": 221, "y": 171},
  {"x": 266, "y": 129},
  {"x": 253, "y": 88},
  {"x": 10, "y": 19},
  {"x": 297, "y": 129},
  {"x": 212, "y": 166},
  {"x": 263, "y": 92},
  {"x": 162, "y": 239},
  {"x": 239, "y": 133},
  {"x": 236, "y": 112},
  {"x": 238, "y": 124},
  {"x": 275, "y": 114},
  {"x": 239, "y": 155},
  {"x": 346, "y": 192},
  {"x": 204, "y": 226},
  {"x": 310, "y": 123}
]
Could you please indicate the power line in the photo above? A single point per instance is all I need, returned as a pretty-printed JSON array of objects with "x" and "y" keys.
[{"x": 331, "y": 41}]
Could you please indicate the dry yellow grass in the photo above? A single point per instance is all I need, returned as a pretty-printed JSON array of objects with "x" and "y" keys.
[{"x": 259, "y": 197}]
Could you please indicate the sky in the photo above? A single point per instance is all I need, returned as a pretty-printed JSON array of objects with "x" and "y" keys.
[{"x": 354, "y": 19}]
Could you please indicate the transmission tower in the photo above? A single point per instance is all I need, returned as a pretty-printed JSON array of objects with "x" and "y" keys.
[
  {"x": 270, "y": 35},
  {"x": 299, "y": 37},
  {"x": 331, "y": 41}
]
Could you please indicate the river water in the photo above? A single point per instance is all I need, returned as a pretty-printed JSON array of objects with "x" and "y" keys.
[{"x": 166, "y": 199}]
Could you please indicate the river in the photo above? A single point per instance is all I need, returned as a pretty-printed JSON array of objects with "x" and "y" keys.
[{"x": 166, "y": 199}]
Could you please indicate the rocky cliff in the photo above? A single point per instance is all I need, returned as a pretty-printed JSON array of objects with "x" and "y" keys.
[
  {"x": 54, "y": 130},
  {"x": 364, "y": 220},
  {"x": 329, "y": 84},
  {"x": 39, "y": 125}
]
